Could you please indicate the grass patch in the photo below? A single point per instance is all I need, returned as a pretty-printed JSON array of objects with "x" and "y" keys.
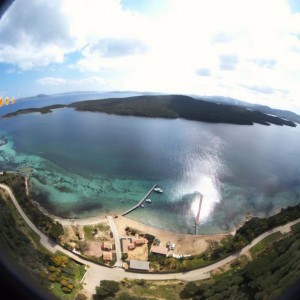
[
  {"x": 236, "y": 265},
  {"x": 266, "y": 243},
  {"x": 143, "y": 289},
  {"x": 296, "y": 228},
  {"x": 90, "y": 229},
  {"x": 73, "y": 274}
]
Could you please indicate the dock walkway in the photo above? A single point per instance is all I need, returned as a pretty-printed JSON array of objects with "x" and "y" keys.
[
  {"x": 197, "y": 218},
  {"x": 140, "y": 203}
]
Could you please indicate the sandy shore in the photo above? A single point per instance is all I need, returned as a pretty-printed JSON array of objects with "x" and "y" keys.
[{"x": 185, "y": 243}]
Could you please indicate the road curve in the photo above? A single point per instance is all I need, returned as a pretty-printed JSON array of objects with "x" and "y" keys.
[{"x": 96, "y": 273}]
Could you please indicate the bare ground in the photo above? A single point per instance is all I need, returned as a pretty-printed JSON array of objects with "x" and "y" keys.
[{"x": 185, "y": 243}]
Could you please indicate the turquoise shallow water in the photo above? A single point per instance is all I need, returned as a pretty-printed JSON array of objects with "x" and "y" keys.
[{"x": 86, "y": 163}]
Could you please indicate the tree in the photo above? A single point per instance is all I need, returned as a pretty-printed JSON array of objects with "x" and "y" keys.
[
  {"x": 81, "y": 297},
  {"x": 60, "y": 261},
  {"x": 56, "y": 231},
  {"x": 107, "y": 288},
  {"x": 190, "y": 290}
]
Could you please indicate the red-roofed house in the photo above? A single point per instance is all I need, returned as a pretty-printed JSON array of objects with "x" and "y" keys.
[
  {"x": 107, "y": 246},
  {"x": 107, "y": 256},
  {"x": 139, "y": 242}
]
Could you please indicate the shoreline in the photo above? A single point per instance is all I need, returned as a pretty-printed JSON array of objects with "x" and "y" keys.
[{"x": 100, "y": 218}]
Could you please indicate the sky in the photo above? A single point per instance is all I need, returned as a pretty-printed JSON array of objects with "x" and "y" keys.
[{"x": 245, "y": 49}]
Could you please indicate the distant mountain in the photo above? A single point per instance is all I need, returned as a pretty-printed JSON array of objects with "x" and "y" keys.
[
  {"x": 285, "y": 114},
  {"x": 43, "y": 100},
  {"x": 178, "y": 106},
  {"x": 171, "y": 106}
]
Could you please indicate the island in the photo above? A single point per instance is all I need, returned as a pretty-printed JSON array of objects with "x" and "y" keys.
[{"x": 171, "y": 107}]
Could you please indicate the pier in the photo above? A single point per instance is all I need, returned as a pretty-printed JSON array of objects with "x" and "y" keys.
[
  {"x": 140, "y": 202},
  {"x": 197, "y": 218}
]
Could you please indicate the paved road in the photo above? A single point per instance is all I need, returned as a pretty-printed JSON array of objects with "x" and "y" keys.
[
  {"x": 115, "y": 232},
  {"x": 96, "y": 273}
]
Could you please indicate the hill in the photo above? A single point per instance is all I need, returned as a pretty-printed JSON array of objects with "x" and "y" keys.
[
  {"x": 285, "y": 114},
  {"x": 178, "y": 106},
  {"x": 170, "y": 106}
]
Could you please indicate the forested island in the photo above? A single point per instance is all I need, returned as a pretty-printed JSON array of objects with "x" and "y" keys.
[{"x": 172, "y": 107}]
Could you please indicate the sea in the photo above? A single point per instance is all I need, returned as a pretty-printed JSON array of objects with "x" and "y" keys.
[{"x": 83, "y": 164}]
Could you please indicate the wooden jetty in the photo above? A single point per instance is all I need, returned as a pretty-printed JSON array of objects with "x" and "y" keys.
[
  {"x": 140, "y": 202},
  {"x": 197, "y": 218}
]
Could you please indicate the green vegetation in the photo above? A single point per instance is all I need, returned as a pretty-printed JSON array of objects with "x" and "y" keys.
[
  {"x": 178, "y": 106},
  {"x": 252, "y": 229},
  {"x": 43, "y": 110},
  {"x": 64, "y": 275},
  {"x": 266, "y": 277},
  {"x": 132, "y": 231},
  {"x": 91, "y": 230},
  {"x": 170, "y": 106},
  {"x": 142, "y": 289},
  {"x": 230, "y": 244},
  {"x": 107, "y": 289},
  {"x": 56, "y": 273},
  {"x": 42, "y": 221},
  {"x": 265, "y": 244}
]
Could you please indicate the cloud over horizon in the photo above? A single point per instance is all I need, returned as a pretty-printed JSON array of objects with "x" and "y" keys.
[{"x": 244, "y": 49}]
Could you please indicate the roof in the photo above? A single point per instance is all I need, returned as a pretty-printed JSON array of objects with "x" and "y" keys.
[
  {"x": 140, "y": 241},
  {"x": 107, "y": 245},
  {"x": 139, "y": 265},
  {"x": 159, "y": 250},
  {"x": 125, "y": 244},
  {"x": 107, "y": 255},
  {"x": 131, "y": 246}
]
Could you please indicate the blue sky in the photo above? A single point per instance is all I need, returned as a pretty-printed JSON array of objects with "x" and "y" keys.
[{"x": 249, "y": 50}]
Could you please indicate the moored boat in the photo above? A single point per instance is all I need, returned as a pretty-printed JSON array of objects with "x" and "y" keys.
[{"x": 158, "y": 190}]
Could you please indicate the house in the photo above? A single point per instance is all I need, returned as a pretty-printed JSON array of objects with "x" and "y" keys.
[
  {"x": 139, "y": 242},
  {"x": 107, "y": 256},
  {"x": 159, "y": 250},
  {"x": 139, "y": 265},
  {"x": 107, "y": 246},
  {"x": 131, "y": 246},
  {"x": 124, "y": 244}
]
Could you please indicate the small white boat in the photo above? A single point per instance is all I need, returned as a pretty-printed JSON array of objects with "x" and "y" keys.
[
  {"x": 158, "y": 190},
  {"x": 148, "y": 200},
  {"x": 142, "y": 205}
]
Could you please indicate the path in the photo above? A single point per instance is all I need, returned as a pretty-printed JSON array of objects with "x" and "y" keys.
[
  {"x": 96, "y": 273},
  {"x": 115, "y": 233}
]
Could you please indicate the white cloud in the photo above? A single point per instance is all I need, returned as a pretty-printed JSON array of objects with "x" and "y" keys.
[
  {"x": 239, "y": 48},
  {"x": 58, "y": 81},
  {"x": 34, "y": 33}
]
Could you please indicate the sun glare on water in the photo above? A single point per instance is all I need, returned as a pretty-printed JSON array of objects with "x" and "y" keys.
[{"x": 208, "y": 188}]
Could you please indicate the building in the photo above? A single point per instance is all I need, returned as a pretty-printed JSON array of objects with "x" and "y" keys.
[
  {"x": 159, "y": 250},
  {"x": 107, "y": 246},
  {"x": 107, "y": 256},
  {"x": 131, "y": 246},
  {"x": 139, "y": 242},
  {"x": 124, "y": 244},
  {"x": 139, "y": 265}
]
